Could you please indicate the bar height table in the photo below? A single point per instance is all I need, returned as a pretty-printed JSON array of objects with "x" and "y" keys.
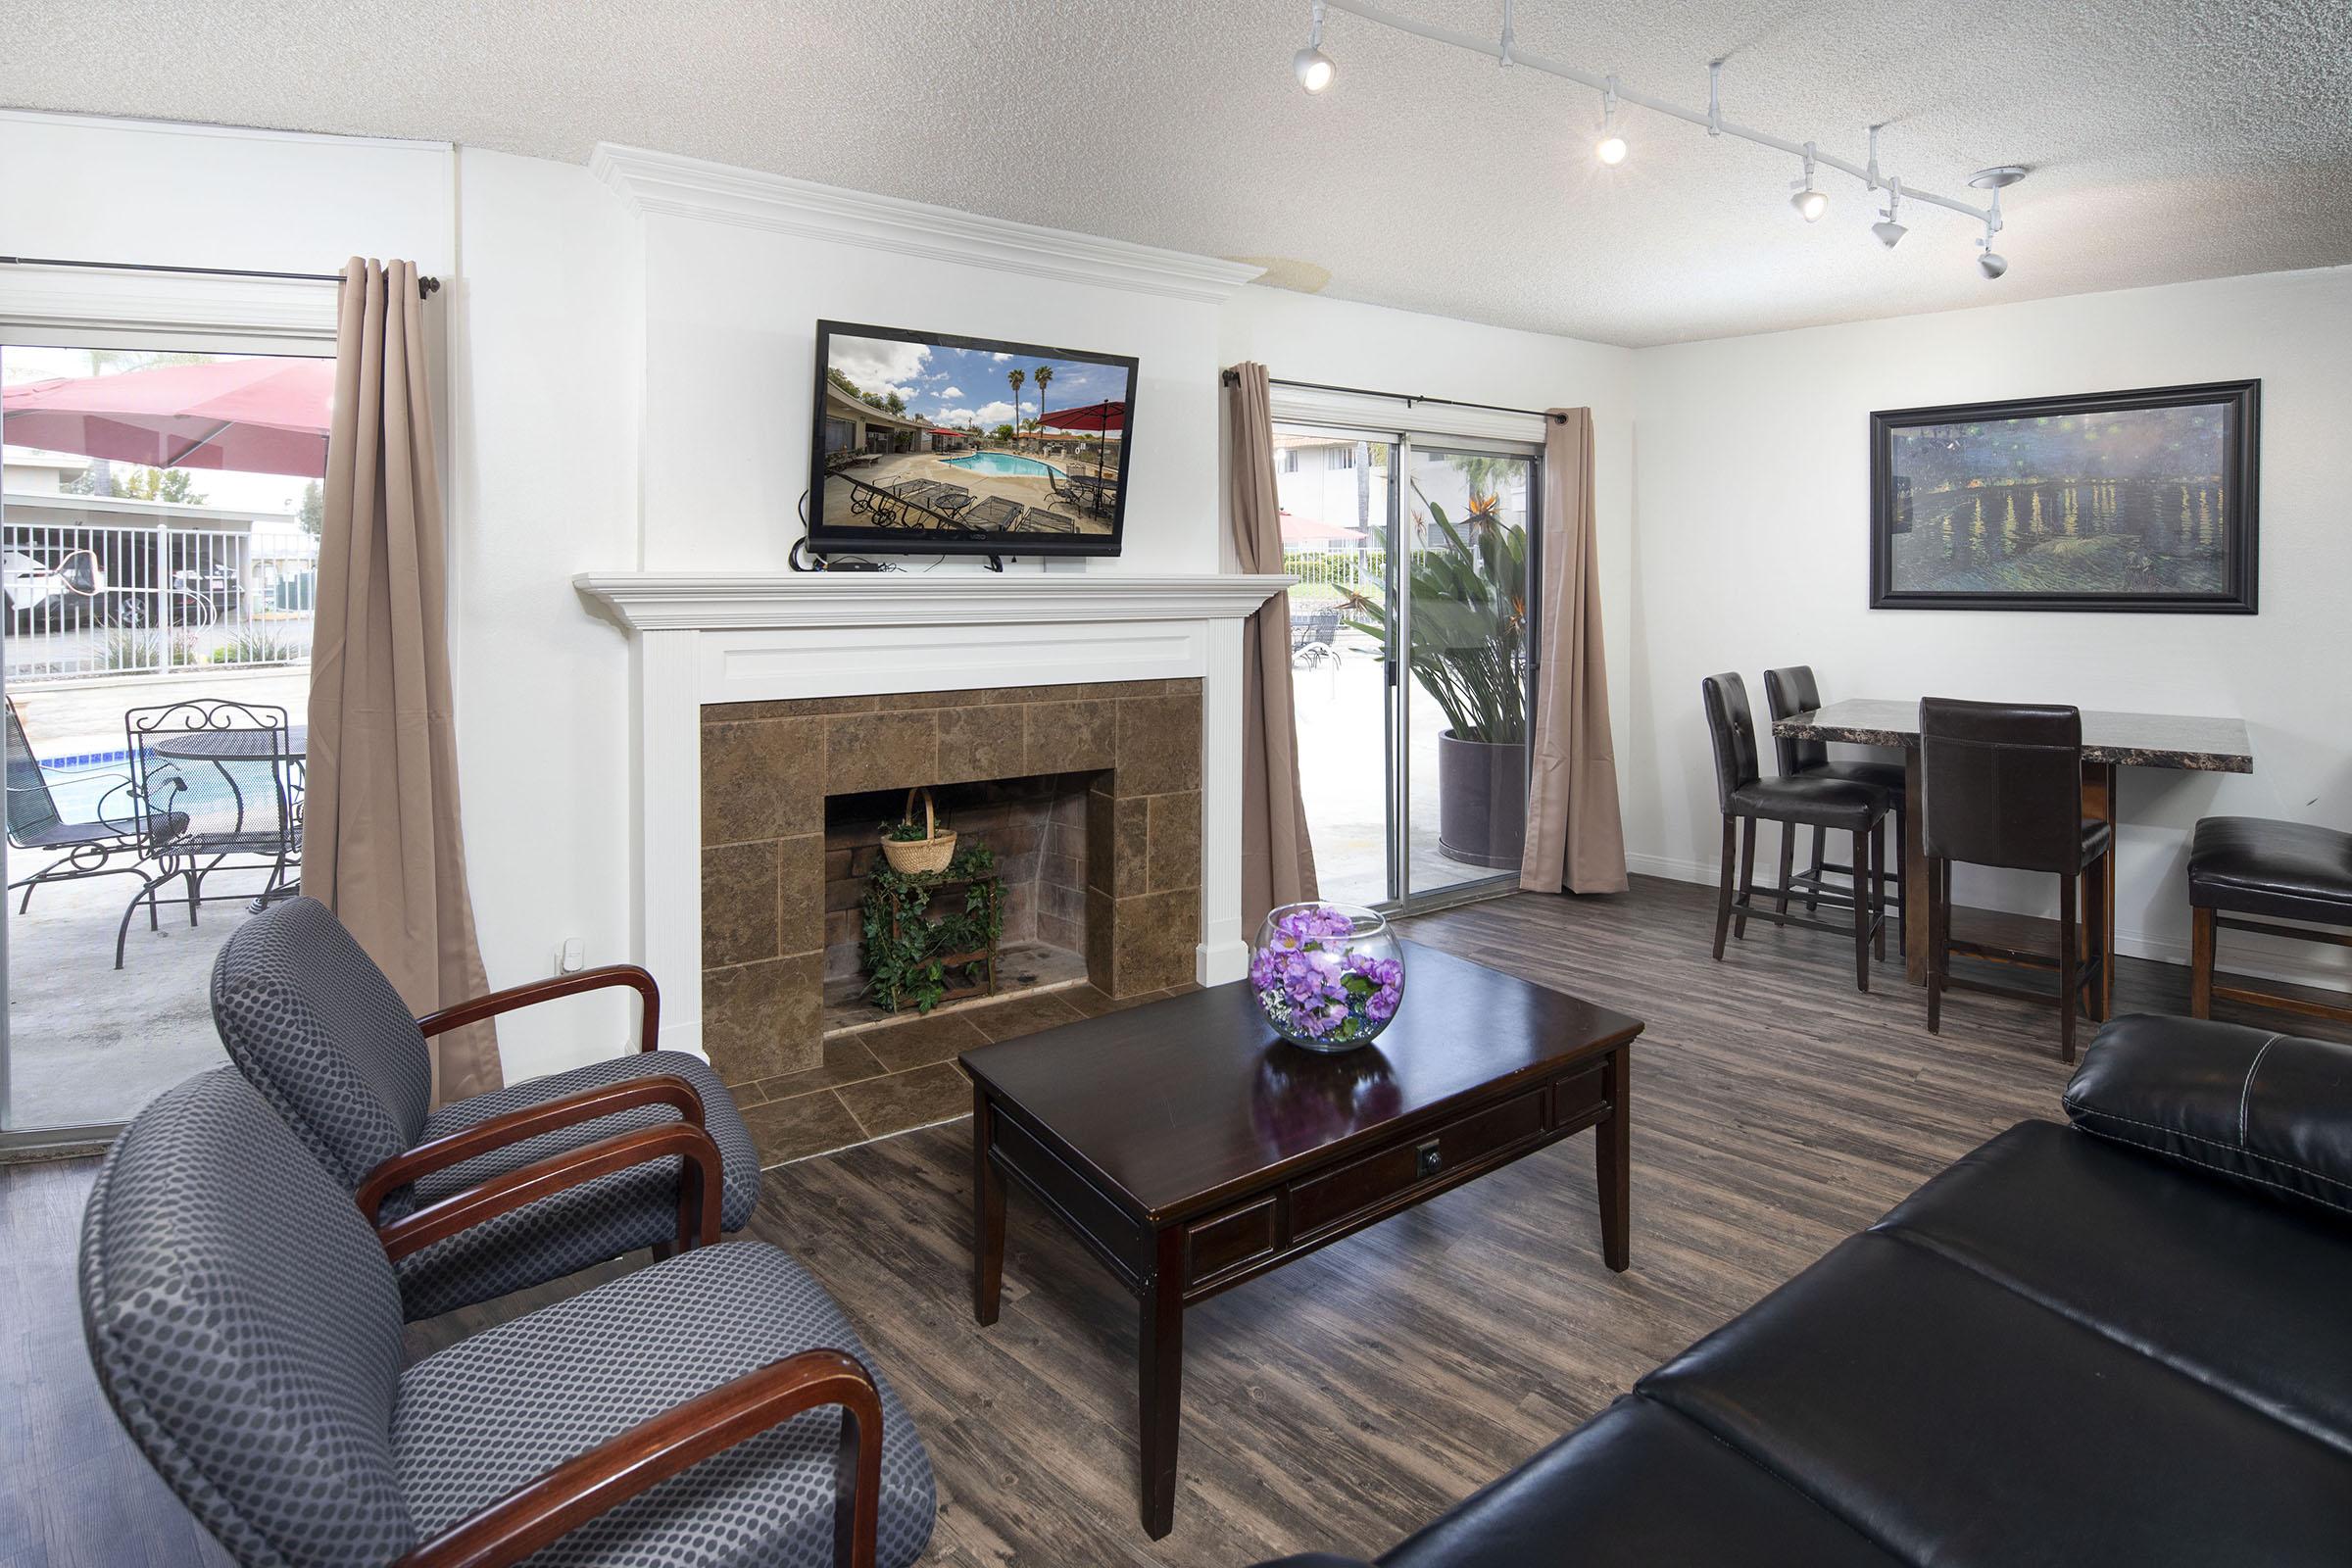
[{"x": 2110, "y": 741}]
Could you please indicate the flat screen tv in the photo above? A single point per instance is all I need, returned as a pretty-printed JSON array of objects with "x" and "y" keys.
[{"x": 927, "y": 443}]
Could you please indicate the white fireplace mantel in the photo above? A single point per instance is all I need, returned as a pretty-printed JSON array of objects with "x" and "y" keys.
[{"x": 707, "y": 638}]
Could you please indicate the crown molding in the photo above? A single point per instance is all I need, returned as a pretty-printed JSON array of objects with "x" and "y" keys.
[
  {"x": 655, "y": 183},
  {"x": 662, "y": 601}
]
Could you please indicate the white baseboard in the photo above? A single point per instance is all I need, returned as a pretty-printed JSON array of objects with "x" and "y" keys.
[
  {"x": 1216, "y": 962},
  {"x": 2254, "y": 957}
]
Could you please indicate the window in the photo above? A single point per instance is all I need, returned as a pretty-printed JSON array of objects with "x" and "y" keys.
[
  {"x": 1340, "y": 458},
  {"x": 158, "y": 558},
  {"x": 1287, "y": 460}
]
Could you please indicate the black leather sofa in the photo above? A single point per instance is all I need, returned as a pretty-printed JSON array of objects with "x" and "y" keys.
[{"x": 2124, "y": 1341}]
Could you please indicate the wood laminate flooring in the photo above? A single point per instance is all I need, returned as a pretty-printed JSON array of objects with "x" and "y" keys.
[{"x": 1338, "y": 1403}]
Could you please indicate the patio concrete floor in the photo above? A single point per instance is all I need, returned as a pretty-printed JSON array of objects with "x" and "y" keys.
[{"x": 88, "y": 1044}]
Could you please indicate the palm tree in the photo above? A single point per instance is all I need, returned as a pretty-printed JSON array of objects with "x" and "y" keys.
[
  {"x": 1044, "y": 376},
  {"x": 1016, "y": 378}
]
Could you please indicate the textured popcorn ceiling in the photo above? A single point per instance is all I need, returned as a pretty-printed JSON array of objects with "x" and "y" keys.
[{"x": 2170, "y": 139}]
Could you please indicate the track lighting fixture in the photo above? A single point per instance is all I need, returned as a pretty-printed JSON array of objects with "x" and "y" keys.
[
  {"x": 1889, "y": 231},
  {"x": 1310, "y": 65},
  {"x": 1315, "y": 72},
  {"x": 1611, "y": 148},
  {"x": 1809, "y": 202}
]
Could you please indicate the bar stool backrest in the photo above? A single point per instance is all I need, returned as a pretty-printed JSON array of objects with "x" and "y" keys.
[
  {"x": 2003, "y": 784},
  {"x": 1786, "y": 692},
  {"x": 1733, "y": 729}
]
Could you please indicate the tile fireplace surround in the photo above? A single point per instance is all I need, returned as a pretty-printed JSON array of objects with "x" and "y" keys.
[{"x": 759, "y": 696}]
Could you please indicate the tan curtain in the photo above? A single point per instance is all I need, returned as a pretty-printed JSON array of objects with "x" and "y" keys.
[
  {"x": 380, "y": 844},
  {"x": 1278, "y": 864},
  {"x": 1573, "y": 837}
]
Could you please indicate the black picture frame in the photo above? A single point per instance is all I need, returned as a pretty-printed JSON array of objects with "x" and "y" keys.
[
  {"x": 823, "y": 537},
  {"x": 2236, "y": 529}
]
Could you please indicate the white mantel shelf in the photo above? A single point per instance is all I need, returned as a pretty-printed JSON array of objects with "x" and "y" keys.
[
  {"x": 663, "y": 601},
  {"x": 720, "y": 638}
]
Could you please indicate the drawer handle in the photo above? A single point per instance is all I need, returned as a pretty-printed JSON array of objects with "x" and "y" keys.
[{"x": 1427, "y": 1160}]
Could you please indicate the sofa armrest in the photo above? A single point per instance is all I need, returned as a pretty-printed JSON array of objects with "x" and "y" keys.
[
  {"x": 2257, "y": 1106},
  {"x": 701, "y": 1174}
]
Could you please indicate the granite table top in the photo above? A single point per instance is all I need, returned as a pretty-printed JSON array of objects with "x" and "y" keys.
[{"x": 2128, "y": 740}]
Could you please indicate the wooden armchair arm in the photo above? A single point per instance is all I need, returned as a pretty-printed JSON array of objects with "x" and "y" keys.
[
  {"x": 698, "y": 1186},
  {"x": 593, "y": 1483},
  {"x": 569, "y": 1110},
  {"x": 474, "y": 1009}
]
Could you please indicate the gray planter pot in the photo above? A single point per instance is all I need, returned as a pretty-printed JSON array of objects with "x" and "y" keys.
[{"x": 1482, "y": 801}]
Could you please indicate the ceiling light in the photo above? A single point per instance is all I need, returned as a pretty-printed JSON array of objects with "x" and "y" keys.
[
  {"x": 1611, "y": 148},
  {"x": 1888, "y": 229},
  {"x": 1809, "y": 202},
  {"x": 1992, "y": 265},
  {"x": 1310, "y": 65}
]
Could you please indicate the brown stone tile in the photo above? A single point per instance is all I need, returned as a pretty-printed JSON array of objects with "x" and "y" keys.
[
  {"x": 1068, "y": 737},
  {"x": 1024, "y": 1015},
  {"x": 1118, "y": 838},
  {"x": 837, "y": 859},
  {"x": 1060, "y": 930},
  {"x": 1090, "y": 1000},
  {"x": 1157, "y": 935},
  {"x": 918, "y": 1042},
  {"x": 763, "y": 1019},
  {"x": 1018, "y": 837},
  {"x": 979, "y": 743},
  {"x": 1160, "y": 746},
  {"x": 1061, "y": 871},
  {"x": 1185, "y": 686},
  {"x": 803, "y": 1125},
  {"x": 844, "y": 1062},
  {"x": 739, "y": 903},
  {"x": 977, "y": 697},
  {"x": 1174, "y": 858},
  {"x": 761, "y": 780},
  {"x": 845, "y": 895},
  {"x": 905, "y": 1100},
  {"x": 880, "y": 751},
  {"x": 801, "y": 893},
  {"x": 786, "y": 708},
  {"x": 1061, "y": 902},
  {"x": 1100, "y": 957}
]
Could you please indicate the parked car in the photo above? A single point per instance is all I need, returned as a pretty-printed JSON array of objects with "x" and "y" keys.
[
  {"x": 42, "y": 593},
  {"x": 218, "y": 587}
]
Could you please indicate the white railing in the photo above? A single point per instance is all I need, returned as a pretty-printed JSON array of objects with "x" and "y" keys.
[{"x": 86, "y": 604}]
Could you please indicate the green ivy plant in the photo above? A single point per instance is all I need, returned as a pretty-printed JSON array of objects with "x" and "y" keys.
[
  {"x": 904, "y": 831},
  {"x": 907, "y": 944}
]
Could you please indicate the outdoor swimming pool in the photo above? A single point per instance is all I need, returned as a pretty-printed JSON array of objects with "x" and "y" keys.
[{"x": 1002, "y": 463}]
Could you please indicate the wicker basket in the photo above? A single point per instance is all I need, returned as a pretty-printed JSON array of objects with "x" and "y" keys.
[{"x": 930, "y": 853}]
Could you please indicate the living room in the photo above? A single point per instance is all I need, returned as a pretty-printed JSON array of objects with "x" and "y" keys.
[{"x": 839, "y": 799}]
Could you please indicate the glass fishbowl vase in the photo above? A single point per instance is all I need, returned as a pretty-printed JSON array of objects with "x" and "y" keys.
[{"x": 1327, "y": 976}]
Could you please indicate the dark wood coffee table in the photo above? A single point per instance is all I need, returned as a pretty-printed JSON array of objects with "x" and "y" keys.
[{"x": 1190, "y": 1149}]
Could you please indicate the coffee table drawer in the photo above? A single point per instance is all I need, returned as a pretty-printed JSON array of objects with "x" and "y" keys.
[
  {"x": 1331, "y": 1196},
  {"x": 1231, "y": 1240}
]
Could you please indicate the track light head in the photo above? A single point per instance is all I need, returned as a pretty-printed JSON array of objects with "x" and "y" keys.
[
  {"x": 1889, "y": 232},
  {"x": 1992, "y": 265},
  {"x": 1810, "y": 204},
  {"x": 1611, "y": 149},
  {"x": 1310, "y": 65},
  {"x": 1889, "y": 229}
]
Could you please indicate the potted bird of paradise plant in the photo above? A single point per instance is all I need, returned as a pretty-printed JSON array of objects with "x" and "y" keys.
[{"x": 1468, "y": 650}]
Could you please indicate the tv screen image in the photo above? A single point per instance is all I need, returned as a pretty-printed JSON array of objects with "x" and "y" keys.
[{"x": 927, "y": 443}]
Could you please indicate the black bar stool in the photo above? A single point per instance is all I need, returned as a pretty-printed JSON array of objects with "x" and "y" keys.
[
  {"x": 2242, "y": 866},
  {"x": 1831, "y": 805},
  {"x": 2003, "y": 787},
  {"x": 1790, "y": 691}
]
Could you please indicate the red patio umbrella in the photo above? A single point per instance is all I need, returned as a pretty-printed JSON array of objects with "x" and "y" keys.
[
  {"x": 1297, "y": 530},
  {"x": 261, "y": 415},
  {"x": 1104, "y": 417}
]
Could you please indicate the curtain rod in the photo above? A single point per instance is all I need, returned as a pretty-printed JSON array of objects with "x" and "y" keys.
[
  {"x": 1408, "y": 399},
  {"x": 426, "y": 287}
]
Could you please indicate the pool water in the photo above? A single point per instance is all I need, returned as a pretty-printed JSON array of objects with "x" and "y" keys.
[{"x": 1002, "y": 463}]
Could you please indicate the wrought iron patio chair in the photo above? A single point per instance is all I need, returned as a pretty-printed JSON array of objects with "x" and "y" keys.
[
  {"x": 1314, "y": 637},
  {"x": 214, "y": 788},
  {"x": 105, "y": 844}
]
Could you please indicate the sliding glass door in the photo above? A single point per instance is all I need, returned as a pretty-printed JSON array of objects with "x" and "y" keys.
[{"x": 1411, "y": 627}]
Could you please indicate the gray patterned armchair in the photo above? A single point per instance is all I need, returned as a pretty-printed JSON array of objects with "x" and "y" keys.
[
  {"x": 246, "y": 1327},
  {"x": 469, "y": 1199}
]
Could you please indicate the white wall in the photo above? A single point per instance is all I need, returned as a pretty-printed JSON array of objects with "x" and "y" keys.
[
  {"x": 1751, "y": 550},
  {"x": 730, "y": 343},
  {"x": 1300, "y": 337}
]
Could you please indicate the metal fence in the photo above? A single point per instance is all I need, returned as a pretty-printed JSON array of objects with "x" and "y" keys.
[
  {"x": 106, "y": 603},
  {"x": 1336, "y": 571}
]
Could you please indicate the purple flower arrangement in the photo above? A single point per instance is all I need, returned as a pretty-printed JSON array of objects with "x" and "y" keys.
[{"x": 1326, "y": 978}]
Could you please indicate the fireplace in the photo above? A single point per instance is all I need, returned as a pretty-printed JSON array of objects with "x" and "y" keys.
[
  {"x": 757, "y": 697},
  {"x": 1092, "y": 791}
]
